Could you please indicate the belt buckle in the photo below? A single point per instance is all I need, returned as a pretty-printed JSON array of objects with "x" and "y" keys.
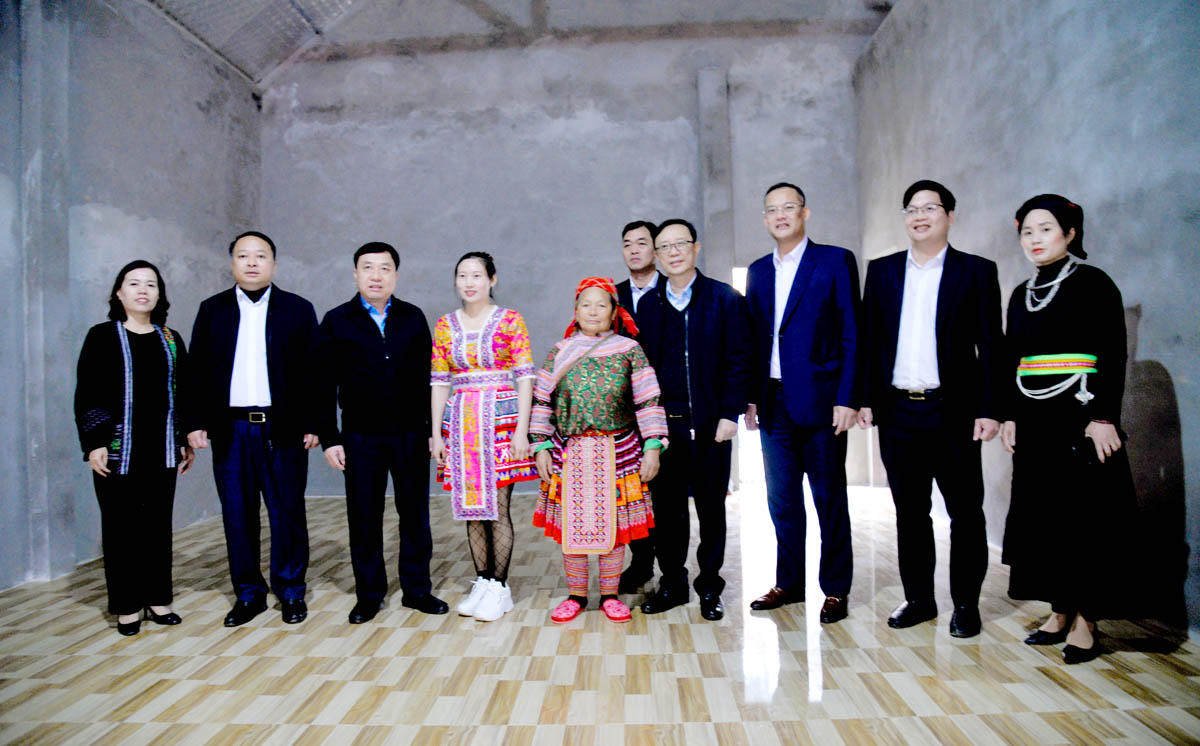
[
  {"x": 916, "y": 395},
  {"x": 257, "y": 418}
]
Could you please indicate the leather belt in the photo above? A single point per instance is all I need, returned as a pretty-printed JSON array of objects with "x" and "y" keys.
[
  {"x": 916, "y": 394},
  {"x": 254, "y": 415}
]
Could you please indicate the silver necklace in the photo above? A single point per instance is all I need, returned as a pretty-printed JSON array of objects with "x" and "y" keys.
[{"x": 1031, "y": 301}]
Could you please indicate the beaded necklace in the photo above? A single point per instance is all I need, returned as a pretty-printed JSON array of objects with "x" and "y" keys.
[{"x": 1031, "y": 301}]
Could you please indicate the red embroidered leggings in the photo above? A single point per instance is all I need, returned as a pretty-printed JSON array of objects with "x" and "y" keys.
[{"x": 576, "y": 566}]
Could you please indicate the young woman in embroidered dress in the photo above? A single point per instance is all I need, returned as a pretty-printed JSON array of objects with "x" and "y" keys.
[
  {"x": 597, "y": 428},
  {"x": 1072, "y": 491},
  {"x": 131, "y": 383},
  {"x": 481, "y": 425}
]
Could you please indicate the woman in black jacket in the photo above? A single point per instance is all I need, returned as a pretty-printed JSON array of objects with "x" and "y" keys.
[{"x": 127, "y": 397}]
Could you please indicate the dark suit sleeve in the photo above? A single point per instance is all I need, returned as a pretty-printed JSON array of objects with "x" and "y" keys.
[
  {"x": 196, "y": 405},
  {"x": 991, "y": 346},
  {"x": 326, "y": 385},
  {"x": 424, "y": 391},
  {"x": 738, "y": 357},
  {"x": 306, "y": 340},
  {"x": 870, "y": 337},
  {"x": 757, "y": 374},
  {"x": 849, "y": 393},
  {"x": 184, "y": 383}
]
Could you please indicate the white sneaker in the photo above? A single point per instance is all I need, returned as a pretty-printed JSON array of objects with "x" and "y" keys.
[
  {"x": 467, "y": 606},
  {"x": 495, "y": 602}
]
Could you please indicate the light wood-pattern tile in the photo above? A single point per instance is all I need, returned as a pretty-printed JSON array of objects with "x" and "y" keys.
[{"x": 66, "y": 677}]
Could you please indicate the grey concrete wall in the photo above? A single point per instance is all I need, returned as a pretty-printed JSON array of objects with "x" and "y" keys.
[
  {"x": 14, "y": 512},
  {"x": 1095, "y": 100},
  {"x": 136, "y": 144},
  {"x": 539, "y": 155}
]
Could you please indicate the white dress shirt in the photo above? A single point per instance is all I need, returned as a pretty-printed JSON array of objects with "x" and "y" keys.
[
  {"x": 916, "y": 366},
  {"x": 785, "y": 275},
  {"x": 638, "y": 292},
  {"x": 249, "y": 386},
  {"x": 681, "y": 300}
]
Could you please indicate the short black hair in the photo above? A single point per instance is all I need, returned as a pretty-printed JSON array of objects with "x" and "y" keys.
[
  {"x": 640, "y": 224},
  {"x": 928, "y": 185},
  {"x": 261, "y": 236},
  {"x": 116, "y": 309},
  {"x": 676, "y": 221},
  {"x": 786, "y": 185},
  {"x": 378, "y": 247}
]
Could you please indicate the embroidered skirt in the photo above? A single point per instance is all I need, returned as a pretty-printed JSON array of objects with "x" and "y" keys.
[
  {"x": 596, "y": 500},
  {"x": 477, "y": 428}
]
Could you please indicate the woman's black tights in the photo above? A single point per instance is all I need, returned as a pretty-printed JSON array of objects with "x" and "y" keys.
[{"x": 492, "y": 541}]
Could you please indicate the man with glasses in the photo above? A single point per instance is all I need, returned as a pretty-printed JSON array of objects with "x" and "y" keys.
[
  {"x": 932, "y": 379},
  {"x": 804, "y": 304},
  {"x": 695, "y": 331}
]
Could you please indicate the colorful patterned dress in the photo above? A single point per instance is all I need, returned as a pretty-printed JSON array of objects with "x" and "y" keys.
[
  {"x": 481, "y": 413},
  {"x": 593, "y": 418}
]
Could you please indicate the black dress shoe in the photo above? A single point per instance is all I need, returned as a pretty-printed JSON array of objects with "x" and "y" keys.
[
  {"x": 1073, "y": 654},
  {"x": 129, "y": 628},
  {"x": 364, "y": 611},
  {"x": 775, "y": 598},
  {"x": 169, "y": 618},
  {"x": 1042, "y": 637},
  {"x": 834, "y": 609},
  {"x": 293, "y": 611},
  {"x": 711, "y": 607},
  {"x": 664, "y": 600},
  {"x": 634, "y": 578},
  {"x": 244, "y": 611},
  {"x": 427, "y": 604},
  {"x": 965, "y": 622},
  {"x": 911, "y": 613}
]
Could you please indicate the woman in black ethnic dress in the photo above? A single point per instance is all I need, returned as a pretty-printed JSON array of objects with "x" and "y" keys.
[
  {"x": 1072, "y": 490},
  {"x": 127, "y": 400}
]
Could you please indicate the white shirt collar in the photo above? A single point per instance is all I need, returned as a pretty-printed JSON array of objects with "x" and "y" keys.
[
  {"x": 937, "y": 261},
  {"x": 243, "y": 298},
  {"x": 792, "y": 257}
]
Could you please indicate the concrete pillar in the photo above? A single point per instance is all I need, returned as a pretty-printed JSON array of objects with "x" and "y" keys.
[
  {"x": 48, "y": 435},
  {"x": 716, "y": 175}
]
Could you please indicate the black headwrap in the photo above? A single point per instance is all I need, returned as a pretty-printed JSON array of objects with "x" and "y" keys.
[{"x": 1068, "y": 214}]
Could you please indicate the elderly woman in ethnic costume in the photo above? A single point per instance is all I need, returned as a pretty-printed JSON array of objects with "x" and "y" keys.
[
  {"x": 1072, "y": 491},
  {"x": 598, "y": 429},
  {"x": 127, "y": 399},
  {"x": 481, "y": 425}
]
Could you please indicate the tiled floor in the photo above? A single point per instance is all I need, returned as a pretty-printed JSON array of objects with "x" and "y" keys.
[{"x": 753, "y": 678}]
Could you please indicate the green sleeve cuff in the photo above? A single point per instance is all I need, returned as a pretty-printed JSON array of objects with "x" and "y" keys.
[
  {"x": 545, "y": 445},
  {"x": 655, "y": 443}
]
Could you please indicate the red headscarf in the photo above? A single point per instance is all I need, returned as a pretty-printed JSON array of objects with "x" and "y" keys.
[{"x": 623, "y": 324}]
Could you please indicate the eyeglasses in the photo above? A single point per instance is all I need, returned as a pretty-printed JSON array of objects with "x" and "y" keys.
[
  {"x": 787, "y": 208},
  {"x": 925, "y": 210},
  {"x": 671, "y": 248}
]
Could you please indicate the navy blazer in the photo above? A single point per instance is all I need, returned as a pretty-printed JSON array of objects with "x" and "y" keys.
[
  {"x": 625, "y": 293},
  {"x": 291, "y": 332},
  {"x": 718, "y": 348},
  {"x": 818, "y": 336},
  {"x": 967, "y": 326}
]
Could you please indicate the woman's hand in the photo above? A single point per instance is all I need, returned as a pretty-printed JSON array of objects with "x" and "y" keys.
[
  {"x": 545, "y": 465},
  {"x": 438, "y": 450},
  {"x": 649, "y": 468},
  {"x": 519, "y": 446},
  {"x": 1008, "y": 436},
  {"x": 185, "y": 464},
  {"x": 1104, "y": 436},
  {"x": 98, "y": 460}
]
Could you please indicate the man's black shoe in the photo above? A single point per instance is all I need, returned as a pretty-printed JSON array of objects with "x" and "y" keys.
[
  {"x": 428, "y": 604},
  {"x": 634, "y": 578},
  {"x": 664, "y": 600},
  {"x": 965, "y": 622},
  {"x": 711, "y": 607},
  {"x": 911, "y": 613},
  {"x": 293, "y": 611},
  {"x": 244, "y": 611},
  {"x": 364, "y": 611}
]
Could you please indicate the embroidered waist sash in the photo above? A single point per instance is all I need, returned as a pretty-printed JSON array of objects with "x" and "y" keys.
[
  {"x": 483, "y": 378},
  {"x": 1075, "y": 366},
  {"x": 589, "y": 493}
]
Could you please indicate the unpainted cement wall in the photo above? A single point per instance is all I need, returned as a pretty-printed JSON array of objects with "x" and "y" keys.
[{"x": 1096, "y": 101}]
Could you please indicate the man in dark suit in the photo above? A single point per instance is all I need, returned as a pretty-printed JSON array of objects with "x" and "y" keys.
[
  {"x": 932, "y": 378},
  {"x": 375, "y": 351},
  {"x": 252, "y": 363},
  {"x": 804, "y": 303},
  {"x": 637, "y": 248},
  {"x": 695, "y": 331}
]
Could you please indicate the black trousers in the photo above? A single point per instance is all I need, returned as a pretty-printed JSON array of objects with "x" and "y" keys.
[
  {"x": 369, "y": 458},
  {"x": 135, "y": 532},
  {"x": 699, "y": 467},
  {"x": 921, "y": 442}
]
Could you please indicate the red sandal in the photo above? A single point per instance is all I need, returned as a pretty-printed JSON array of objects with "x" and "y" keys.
[
  {"x": 566, "y": 611},
  {"x": 615, "y": 610}
]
